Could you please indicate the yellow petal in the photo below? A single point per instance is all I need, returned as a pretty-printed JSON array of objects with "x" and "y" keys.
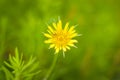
[
  {"x": 60, "y": 22},
  {"x": 54, "y": 25},
  {"x": 72, "y": 32},
  {"x": 52, "y": 45},
  {"x": 48, "y": 41},
  {"x": 73, "y": 41},
  {"x": 57, "y": 50},
  {"x": 60, "y": 47},
  {"x": 73, "y": 35},
  {"x": 71, "y": 28},
  {"x": 59, "y": 25},
  {"x": 68, "y": 47},
  {"x": 72, "y": 45},
  {"x": 47, "y": 35},
  {"x": 66, "y": 26},
  {"x": 64, "y": 49},
  {"x": 51, "y": 30}
]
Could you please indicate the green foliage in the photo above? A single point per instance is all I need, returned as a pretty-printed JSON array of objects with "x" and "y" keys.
[
  {"x": 19, "y": 69},
  {"x": 98, "y": 54}
]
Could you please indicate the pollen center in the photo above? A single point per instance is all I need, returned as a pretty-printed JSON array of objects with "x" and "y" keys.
[{"x": 60, "y": 39}]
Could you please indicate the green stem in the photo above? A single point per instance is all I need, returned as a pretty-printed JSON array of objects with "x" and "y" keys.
[
  {"x": 17, "y": 77},
  {"x": 51, "y": 67}
]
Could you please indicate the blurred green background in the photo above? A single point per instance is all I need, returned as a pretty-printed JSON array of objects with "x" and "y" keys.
[{"x": 98, "y": 54}]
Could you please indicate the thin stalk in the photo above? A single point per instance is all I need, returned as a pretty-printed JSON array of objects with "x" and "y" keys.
[
  {"x": 17, "y": 76},
  {"x": 51, "y": 67}
]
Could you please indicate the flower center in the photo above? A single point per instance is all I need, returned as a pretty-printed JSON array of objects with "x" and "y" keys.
[{"x": 60, "y": 39}]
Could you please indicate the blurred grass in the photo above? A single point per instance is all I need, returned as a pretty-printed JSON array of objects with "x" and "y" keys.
[{"x": 98, "y": 54}]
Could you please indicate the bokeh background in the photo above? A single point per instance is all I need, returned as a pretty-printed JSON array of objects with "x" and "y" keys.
[{"x": 22, "y": 23}]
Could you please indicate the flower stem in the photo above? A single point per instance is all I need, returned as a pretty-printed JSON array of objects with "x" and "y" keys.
[
  {"x": 51, "y": 67},
  {"x": 17, "y": 76}
]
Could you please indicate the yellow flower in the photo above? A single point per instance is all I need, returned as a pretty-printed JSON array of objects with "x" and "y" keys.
[{"x": 59, "y": 38}]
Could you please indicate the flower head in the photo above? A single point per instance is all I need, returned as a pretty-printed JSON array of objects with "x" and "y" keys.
[{"x": 61, "y": 38}]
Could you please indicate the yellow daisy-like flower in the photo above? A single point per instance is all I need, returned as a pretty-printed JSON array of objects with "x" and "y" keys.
[{"x": 61, "y": 38}]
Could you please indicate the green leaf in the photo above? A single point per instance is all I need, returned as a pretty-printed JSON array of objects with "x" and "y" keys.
[
  {"x": 8, "y": 74},
  {"x": 31, "y": 61},
  {"x": 21, "y": 67},
  {"x": 7, "y": 64},
  {"x": 16, "y": 54}
]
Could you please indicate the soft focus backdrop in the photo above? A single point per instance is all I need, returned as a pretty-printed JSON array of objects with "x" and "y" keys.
[{"x": 22, "y": 23}]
